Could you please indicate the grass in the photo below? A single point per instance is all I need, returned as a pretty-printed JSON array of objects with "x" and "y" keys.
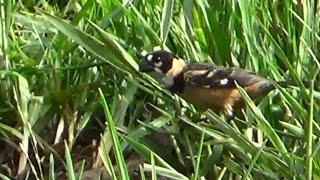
[{"x": 73, "y": 103}]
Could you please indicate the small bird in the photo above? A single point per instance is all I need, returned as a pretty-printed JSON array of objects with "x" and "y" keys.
[{"x": 204, "y": 85}]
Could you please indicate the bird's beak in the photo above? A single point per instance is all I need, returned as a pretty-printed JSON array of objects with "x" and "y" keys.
[{"x": 145, "y": 67}]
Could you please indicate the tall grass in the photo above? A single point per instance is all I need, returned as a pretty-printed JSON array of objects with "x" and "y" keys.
[{"x": 73, "y": 103}]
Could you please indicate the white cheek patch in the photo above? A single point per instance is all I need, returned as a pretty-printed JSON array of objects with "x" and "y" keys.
[
  {"x": 224, "y": 81},
  {"x": 158, "y": 64},
  {"x": 149, "y": 58}
]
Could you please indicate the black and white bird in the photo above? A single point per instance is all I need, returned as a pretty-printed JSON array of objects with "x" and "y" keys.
[{"x": 204, "y": 85}]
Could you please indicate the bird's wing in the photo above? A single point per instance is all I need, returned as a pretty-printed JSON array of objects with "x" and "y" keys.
[{"x": 210, "y": 76}]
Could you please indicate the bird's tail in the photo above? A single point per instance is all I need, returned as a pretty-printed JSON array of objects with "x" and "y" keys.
[
  {"x": 266, "y": 88},
  {"x": 289, "y": 83}
]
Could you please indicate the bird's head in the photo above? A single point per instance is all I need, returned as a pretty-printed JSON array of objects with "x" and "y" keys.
[
  {"x": 163, "y": 65},
  {"x": 157, "y": 61},
  {"x": 161, "y": 62}
]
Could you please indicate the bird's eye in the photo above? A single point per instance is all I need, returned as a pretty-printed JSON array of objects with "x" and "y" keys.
[
  {"x": 158, "y": 62},
  {"x": 156, "y": 59}
]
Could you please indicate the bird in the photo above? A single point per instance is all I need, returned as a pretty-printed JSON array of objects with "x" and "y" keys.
[{"x": 205, "y": 85}]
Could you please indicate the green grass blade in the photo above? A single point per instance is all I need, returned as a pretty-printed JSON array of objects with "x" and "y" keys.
[
  {"x": 264, "y": 125},
  {"x": 108, "y": 164},
  {"x": 114, "y": 136},
  {"x": 165, "y": 20},
  {"x": 85, "y": 40},
  {"x": 70, "y": 170},
  {"x": 146, "y": 153},
  {"x": 51, "y": 167},
  {"x": 197, "y": 168}
]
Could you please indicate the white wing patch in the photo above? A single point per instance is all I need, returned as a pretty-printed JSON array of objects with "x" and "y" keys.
[
  {"x": 150, "y": 56},
  {"x": 224, "y": 81},
  {"x": 210, "y": 74}
]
